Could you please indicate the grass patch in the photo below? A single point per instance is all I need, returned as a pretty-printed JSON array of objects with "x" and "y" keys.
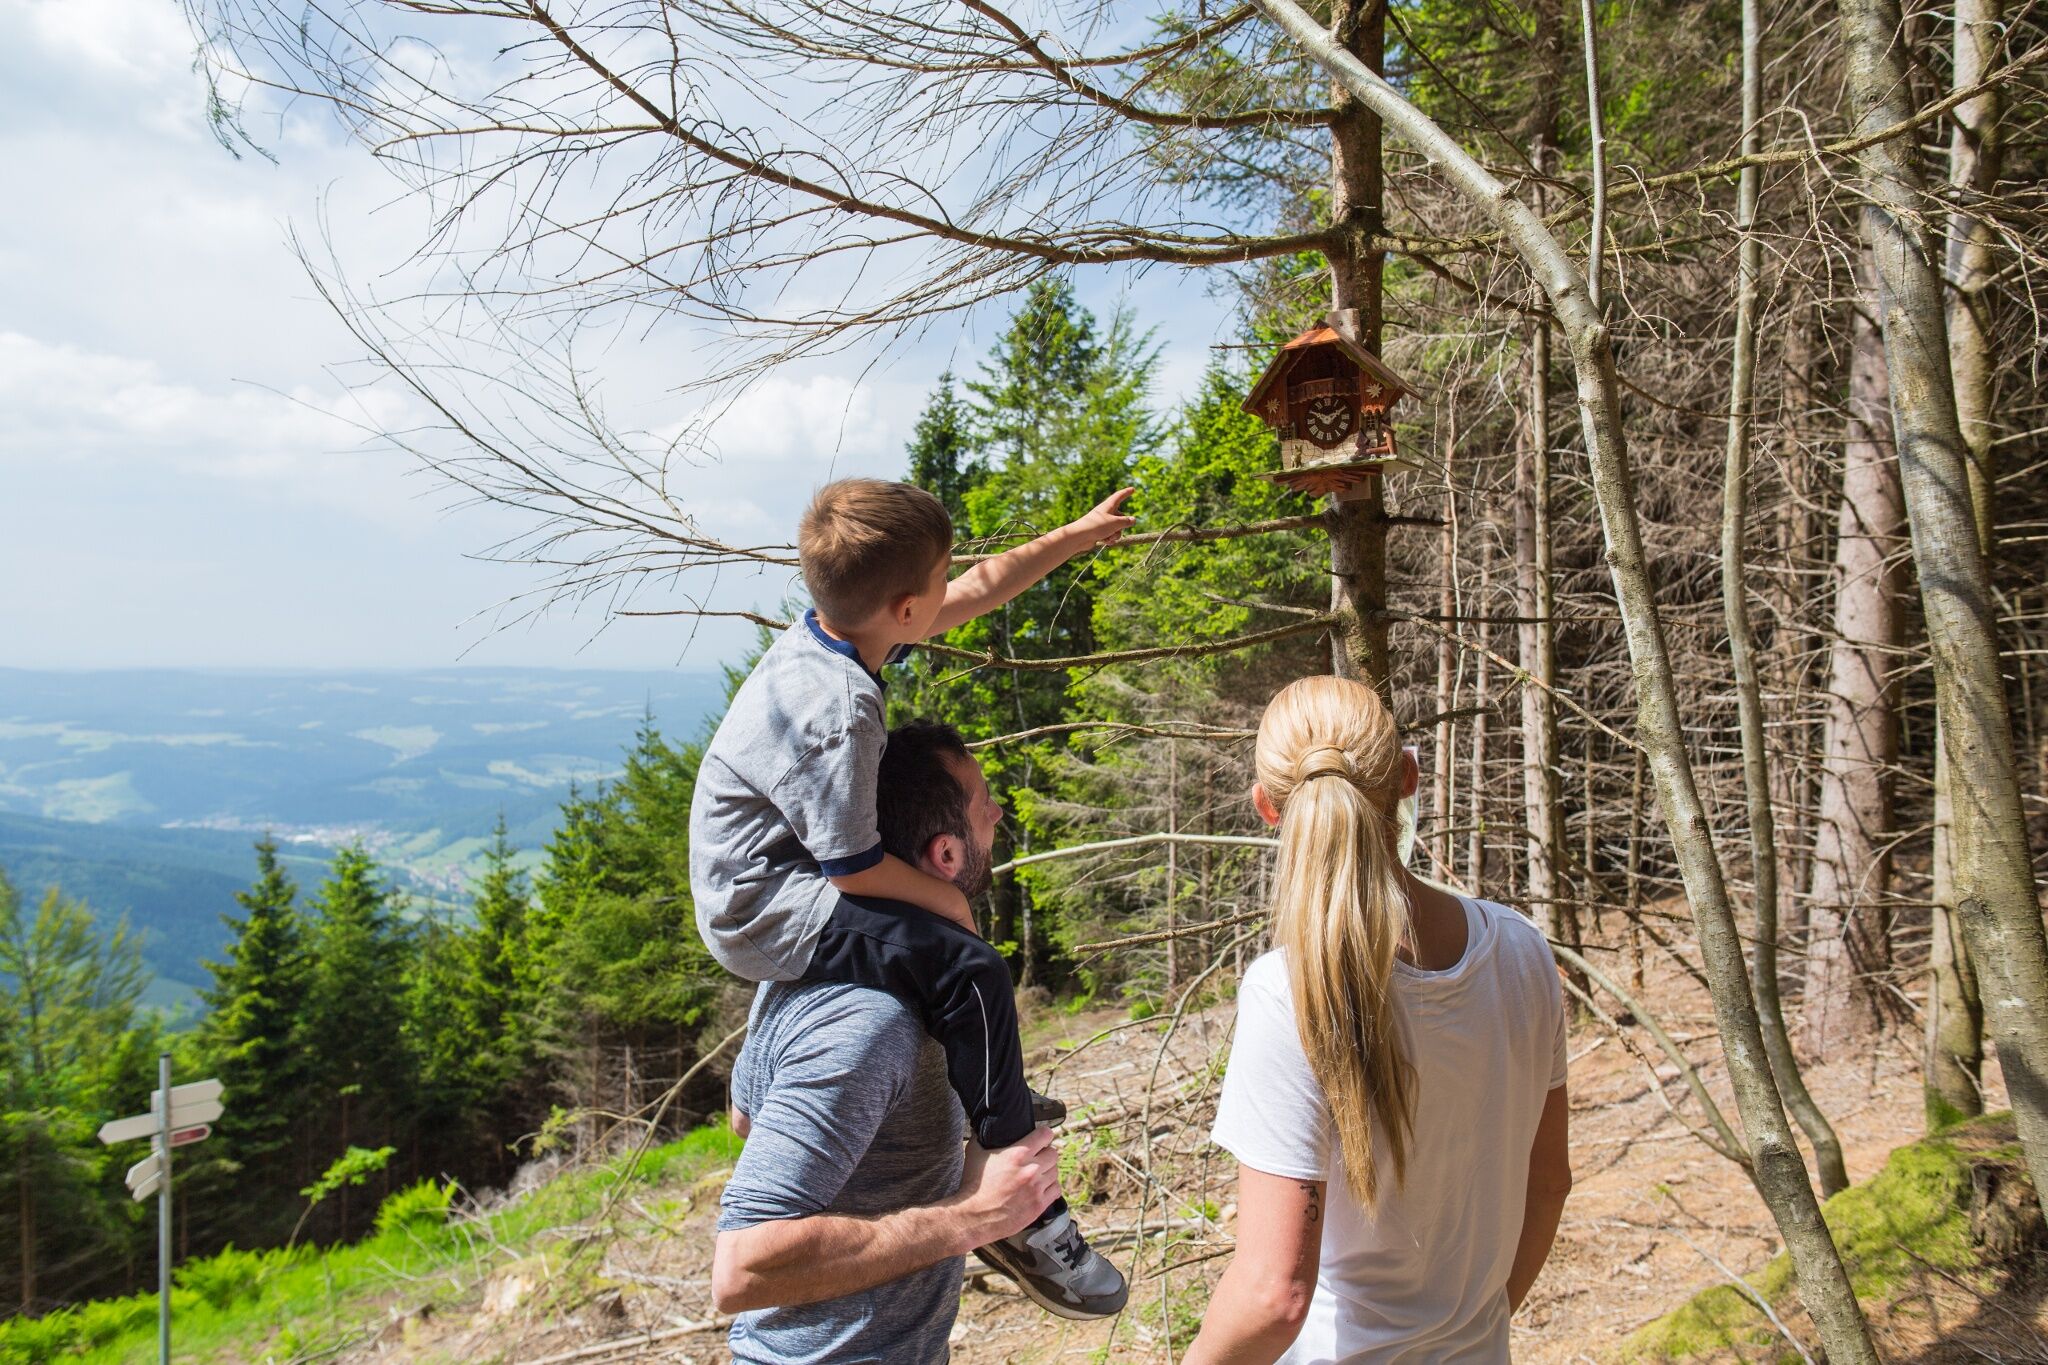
[
  {"x": 1915, "y": 1210},
  {"x": 244, "y": 1305}
]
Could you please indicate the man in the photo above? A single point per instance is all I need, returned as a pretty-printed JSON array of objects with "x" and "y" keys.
[{"x": 831, "y": 1246}]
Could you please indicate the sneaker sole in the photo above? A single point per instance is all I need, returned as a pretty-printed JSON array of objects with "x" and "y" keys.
[{"x": 1057, "y": 1307}]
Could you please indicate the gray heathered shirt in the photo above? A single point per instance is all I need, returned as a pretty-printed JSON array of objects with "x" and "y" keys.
[
  {"x": 785, "y": 798},
  {"x": 851, "y": 1113}
]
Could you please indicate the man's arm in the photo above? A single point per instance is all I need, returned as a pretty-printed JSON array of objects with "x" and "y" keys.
[
  {"x": 1262, "y": 1299},
  {"x": 993, "y": 582},
  {"x": 808, "y": 1260},
  {"x": 1550, "y": 1180},
  {"x": 895, "y": 880}
]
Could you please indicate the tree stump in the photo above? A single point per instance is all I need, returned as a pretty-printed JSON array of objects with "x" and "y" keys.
[{"x": 2005, "y": 1215}]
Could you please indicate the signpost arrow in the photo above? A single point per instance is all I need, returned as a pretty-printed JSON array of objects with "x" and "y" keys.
[
  {"x": 194, "y": 1115},
  {"x": 192, "y": 1092},
  {"x": 127, "y": 1130},
  {"x": 144, "y": 1176}
]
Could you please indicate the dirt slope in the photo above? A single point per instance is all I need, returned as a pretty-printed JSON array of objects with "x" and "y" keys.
[{"x": 1655, "y": 1217}]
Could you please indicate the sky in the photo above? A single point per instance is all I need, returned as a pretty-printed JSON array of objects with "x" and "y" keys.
[{"x": 187, "y": 478}]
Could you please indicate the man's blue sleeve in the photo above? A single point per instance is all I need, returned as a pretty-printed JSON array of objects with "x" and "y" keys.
[{"x": 829, "y": 1087}]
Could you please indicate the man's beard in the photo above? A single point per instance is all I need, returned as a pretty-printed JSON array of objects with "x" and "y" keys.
[{"x": 977, "y": 871}]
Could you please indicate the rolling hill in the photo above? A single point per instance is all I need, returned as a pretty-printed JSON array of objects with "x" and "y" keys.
[{"x": 142, "y": 791}]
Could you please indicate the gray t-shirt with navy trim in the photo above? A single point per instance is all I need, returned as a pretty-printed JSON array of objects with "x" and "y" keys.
[
  {"x": 850, "y": 1113},
  {"x": 786, "y": 799}
]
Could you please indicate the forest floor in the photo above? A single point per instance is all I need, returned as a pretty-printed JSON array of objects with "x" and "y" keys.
[{"x": 1654, "y": 1219}]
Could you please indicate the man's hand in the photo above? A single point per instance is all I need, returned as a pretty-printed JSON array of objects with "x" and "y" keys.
[
  {"x": 1107, "y": 523},
  {"x": 1002, "y": 1191}
]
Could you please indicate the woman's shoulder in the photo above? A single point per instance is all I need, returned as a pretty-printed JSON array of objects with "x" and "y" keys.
[
  {"x": 1265, "y": 982},
  {"x": 1521, "y": 941},
  {"x": 1515, "y": 927}
]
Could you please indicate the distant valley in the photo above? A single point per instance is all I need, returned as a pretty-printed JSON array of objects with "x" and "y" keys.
[{"x": 142, "y": 791}]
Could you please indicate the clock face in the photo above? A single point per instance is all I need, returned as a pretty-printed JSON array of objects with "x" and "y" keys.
[{"x": 1327, "y": 420}]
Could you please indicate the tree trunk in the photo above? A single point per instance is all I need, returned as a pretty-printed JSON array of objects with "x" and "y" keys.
[
  {"x": 1847, "y": 946},
  {"x": 27, "y": 1198},
  {"x": 1955, "y": 1013},
  {"x": 1780, "y": 1173},
  {"x": 1993, "y": 869},
  {"x": 1536, "y": 636},
  {"x": 1482, "y": 704},
  {"x": 1632, "y": 874},
  {"x": 1357, "y": 521},
  {"x": 1536, "y": 653},
  {"x": 1953, "y": 1086},
  {"x": 1756, "y": 779},
  {"x": 1796, "y": 644},
  {"x": 1444, "y": 798}
]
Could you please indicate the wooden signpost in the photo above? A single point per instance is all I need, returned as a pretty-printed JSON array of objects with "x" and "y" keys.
[{"x": 178, "y": 1116}]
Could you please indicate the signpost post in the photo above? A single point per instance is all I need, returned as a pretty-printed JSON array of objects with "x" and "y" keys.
[
  {"x": 163, "y": 1211},
  {"x": 178, "y": 1116}
]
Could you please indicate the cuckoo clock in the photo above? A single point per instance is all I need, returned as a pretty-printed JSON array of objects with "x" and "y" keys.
[{"x": 1329, "y": 399}]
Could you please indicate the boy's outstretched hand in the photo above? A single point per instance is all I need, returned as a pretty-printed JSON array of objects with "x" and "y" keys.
[
  {"x": 995, "y": 581},
  {"x": 1107, "y": 523}
]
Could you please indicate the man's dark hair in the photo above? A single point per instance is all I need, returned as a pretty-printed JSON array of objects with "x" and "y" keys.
[{"x": 916, "y": 797}]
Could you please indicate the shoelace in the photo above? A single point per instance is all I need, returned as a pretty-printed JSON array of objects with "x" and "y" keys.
[{"x": 1070, "y": 1248}]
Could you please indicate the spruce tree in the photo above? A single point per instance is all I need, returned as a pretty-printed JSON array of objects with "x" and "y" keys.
[
  {"x": 1054, "y": 423},
  {"x": 942, "y": 461},
  {"x": 250, "y": 1041},
  {"x": 68, "y": 998},
  {"x": 351, "y": 1029}
]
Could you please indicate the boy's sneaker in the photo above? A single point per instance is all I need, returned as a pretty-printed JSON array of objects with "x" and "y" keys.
[
  {"x": 1059, "y": 1271},
  {"x": 1047, "y": 1110}
]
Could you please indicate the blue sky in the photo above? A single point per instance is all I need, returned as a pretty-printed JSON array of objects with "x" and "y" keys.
[{"x": 186, "y": 481}]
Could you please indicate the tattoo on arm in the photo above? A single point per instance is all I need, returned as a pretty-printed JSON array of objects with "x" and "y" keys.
[{"x": 1315, "y": 1201}]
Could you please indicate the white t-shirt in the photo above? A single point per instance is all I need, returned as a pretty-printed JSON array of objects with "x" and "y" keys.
[{"x": 1426, "y": 1279}]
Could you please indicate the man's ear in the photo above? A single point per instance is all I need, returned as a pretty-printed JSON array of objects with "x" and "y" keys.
[{"x": 944, "y": 857}]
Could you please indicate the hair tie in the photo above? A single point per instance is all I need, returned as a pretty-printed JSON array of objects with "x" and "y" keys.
[{"x": 1325, "y": 760}]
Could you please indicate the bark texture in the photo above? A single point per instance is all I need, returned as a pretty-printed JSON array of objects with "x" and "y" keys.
[
  {"x": 1357, "y": 524},
  {"x": 1995, "y": 896},
  {"x": 1955, "y": 1013},
  {"x": 1847, "y": 944}
]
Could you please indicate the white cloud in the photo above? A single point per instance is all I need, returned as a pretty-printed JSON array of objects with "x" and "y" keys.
[{"x": 165, "y": 375}]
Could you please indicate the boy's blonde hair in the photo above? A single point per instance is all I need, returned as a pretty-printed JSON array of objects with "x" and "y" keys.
[{"x": 866, "y": 542}]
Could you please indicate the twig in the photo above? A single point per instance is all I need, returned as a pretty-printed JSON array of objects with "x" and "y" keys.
[{"x": 638, "y": 1341}]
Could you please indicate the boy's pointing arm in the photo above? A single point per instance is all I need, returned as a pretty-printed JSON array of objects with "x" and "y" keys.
[{"x": 993, "y": 582}]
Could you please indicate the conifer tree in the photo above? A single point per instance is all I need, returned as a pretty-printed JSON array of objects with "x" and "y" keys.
[
  {"x": 1054, "y": 423},
  {"x": 351, "y": 1027},
  {"x": 491, "y": 999},
  {"x": 941, "y": 455},
  {"x": 468, "y": 1018},
  {"x": 68, "y": 998},
  {"x": 250, "y": 1041}
]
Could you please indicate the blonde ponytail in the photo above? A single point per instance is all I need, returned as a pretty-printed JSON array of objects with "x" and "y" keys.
[{"x": 1329, "y": 759}]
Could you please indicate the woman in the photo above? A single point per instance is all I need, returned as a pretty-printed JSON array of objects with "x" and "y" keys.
[{"x": 1395, "y": 1096}]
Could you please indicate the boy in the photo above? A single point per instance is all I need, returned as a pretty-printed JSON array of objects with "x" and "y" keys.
[{"x": 786, "y": 864}]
